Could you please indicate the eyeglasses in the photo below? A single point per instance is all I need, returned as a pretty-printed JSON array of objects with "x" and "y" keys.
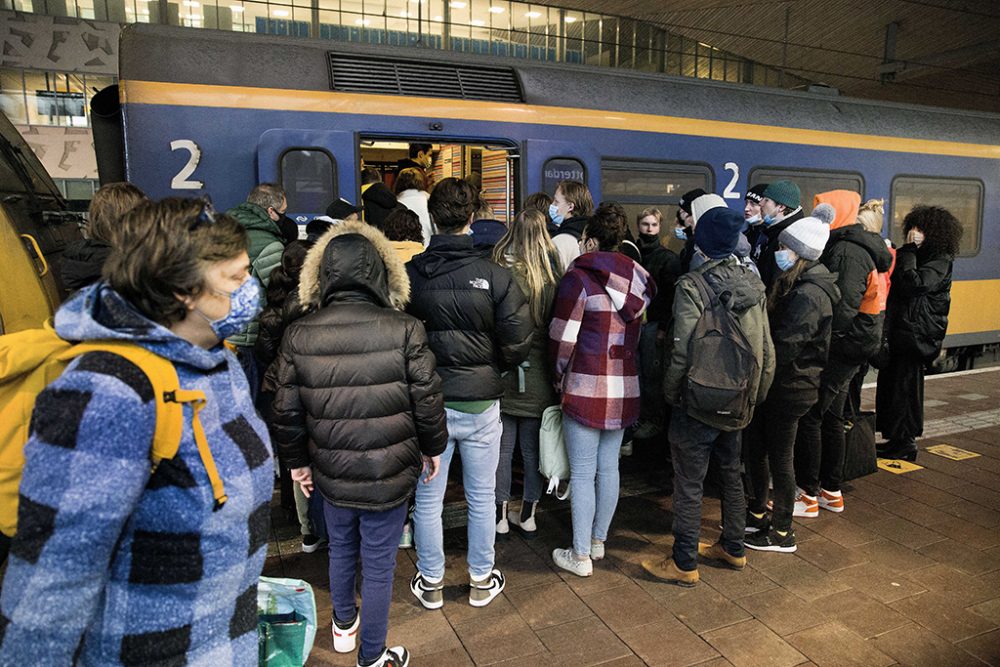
[{"x": 207, "y": 216}]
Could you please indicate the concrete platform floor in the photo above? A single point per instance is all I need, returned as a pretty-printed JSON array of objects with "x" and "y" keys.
[{"x": 909, "y": 574}]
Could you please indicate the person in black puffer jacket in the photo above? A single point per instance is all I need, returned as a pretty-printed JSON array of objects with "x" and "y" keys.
[
  {"x": 856, "y": 256},
  {"x": 83, "y": 261},
  {"x": 479, "y": 325},
  {"x": 919, "y": 300},
  {"x": 359, "y": 400},
  {"x": 800, "y": 310}
]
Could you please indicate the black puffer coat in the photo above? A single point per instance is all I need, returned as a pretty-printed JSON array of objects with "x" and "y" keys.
[
  {"x": 358, "y": 397},
  {"x": 801, "y": 322},
  {"x": 856, "y": 256},
  {"x": 476, "y": 316},
  {"x": 82, "y": 263},
  {"x": 919, "y": 301}
]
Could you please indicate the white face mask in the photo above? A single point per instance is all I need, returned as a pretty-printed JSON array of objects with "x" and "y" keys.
[{"x": 916, "y": 237}]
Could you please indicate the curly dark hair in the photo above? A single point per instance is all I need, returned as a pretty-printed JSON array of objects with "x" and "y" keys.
[
  {"x": 402, "y": 224},
  {"x": 607, "y": 225},
  {"x": 285, "y": 277},
  {"x": 942, "y": 231},
  {"x": 452, "y": 204}
]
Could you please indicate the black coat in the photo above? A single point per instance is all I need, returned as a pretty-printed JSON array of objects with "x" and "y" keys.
[
  {"x": 378, "y": 201},
  {"x": 477, "y": 318},
  {"x": 765, "y": 261},
  {"x": 801, "y": 323},
  {"x": 664, "y": 266},
  {"x": 573, "y": 226},
  {"x": 919, "y": 301},
  {"x": 856, "y": 256},
  {"x": 82, "y": 263},
  {"x": 358, "y": 397}
]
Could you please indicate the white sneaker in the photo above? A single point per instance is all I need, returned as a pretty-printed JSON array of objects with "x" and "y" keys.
[
  {"x": 397, "y": 656},
  {"x": 484, "y": 591},
  {"x": 503, "y": 527},
  {"x": 345, "y": 638},
  {"x": 567, "y": 560},
  {"x": 806, "y": 506},
  {"x": 626, "y": 449},
  {"x": 596, "y": 550},
  {"x": 525, "y": 522}
]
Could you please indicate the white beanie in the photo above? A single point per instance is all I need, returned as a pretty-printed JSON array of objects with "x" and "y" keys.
[
  {"x": 806, "y": 237},
  {"x": 705, "y": 203}
]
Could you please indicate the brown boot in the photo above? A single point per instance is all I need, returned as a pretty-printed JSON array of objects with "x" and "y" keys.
[
  {"x": 716, "y": 552},
  {"x": 665, "y": 569}
]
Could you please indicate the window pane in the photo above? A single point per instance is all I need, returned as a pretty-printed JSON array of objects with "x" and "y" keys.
[
  {"x": 79, "y": 188},
  {"x": 963, "y": 198},
  {"x": 640, "y": 185},
  {"x": 12, "y": 96},
  {"x": 562, "y": 169},
  {"x": 811, "y": 183},
  {"x": 309, "y": 180}
]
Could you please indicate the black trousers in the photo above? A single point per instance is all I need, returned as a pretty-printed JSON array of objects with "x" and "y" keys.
[
  {"x": 770, "y": 440},
  {"x": 819, "y": 446},
  {"x": 899, "y": 398}
]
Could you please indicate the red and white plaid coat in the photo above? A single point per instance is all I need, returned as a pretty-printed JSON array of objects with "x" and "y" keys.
[{"x": 594, "y": 337}]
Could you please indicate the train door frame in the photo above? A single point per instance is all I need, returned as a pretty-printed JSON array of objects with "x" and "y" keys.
[{"x": 274, "y": 144}]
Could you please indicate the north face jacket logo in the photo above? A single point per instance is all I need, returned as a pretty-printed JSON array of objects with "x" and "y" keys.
[{"x": 480, "y": 283}]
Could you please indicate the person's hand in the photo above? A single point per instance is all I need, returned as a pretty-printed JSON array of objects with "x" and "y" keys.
[
  {"x": 915, "y": 236},
  {"x": 304, "y": 478},
  {"x": 432, "y": 464}
]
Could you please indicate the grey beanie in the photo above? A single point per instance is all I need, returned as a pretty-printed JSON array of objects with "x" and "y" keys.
[{"x": 806, "y": 237}]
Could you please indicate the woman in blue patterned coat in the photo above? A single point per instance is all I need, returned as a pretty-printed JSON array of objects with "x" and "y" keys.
[{"x": 113, "y": 564}]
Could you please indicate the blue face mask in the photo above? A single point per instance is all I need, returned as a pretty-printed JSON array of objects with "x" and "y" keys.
[
  {"x": 785, "y": 259},
  {"x": 244, "y": 306},
  {"x": 753, "y": 220},
  {"x": 769, "y": 220},
  {"x": 554, "y": 214},
  {"x": 680, "y": 233}
]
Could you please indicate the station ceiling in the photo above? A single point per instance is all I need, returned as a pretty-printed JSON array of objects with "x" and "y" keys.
[{"x": 940, "y": 52}]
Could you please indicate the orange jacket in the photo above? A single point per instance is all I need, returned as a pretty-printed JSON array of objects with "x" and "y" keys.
[{"x": 845, "y": 202}]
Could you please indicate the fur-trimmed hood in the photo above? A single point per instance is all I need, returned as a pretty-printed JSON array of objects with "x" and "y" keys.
[{"x": 324, "y": 273}]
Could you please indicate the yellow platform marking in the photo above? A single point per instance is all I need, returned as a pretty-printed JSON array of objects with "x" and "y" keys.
[
  {"x": 244, "y": 97},
  {"x": 898, "y": 467},
  {"x": 952, "y": 452}
]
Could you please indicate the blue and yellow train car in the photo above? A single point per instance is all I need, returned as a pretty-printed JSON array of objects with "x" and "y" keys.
[{"x": 208, "y": 112}]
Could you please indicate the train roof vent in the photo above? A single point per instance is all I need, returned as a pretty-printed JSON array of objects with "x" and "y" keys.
[{"x": 372, "y": 74}]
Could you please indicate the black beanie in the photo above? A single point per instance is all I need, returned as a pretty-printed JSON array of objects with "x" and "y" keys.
[{"x": 685, "y": 201}]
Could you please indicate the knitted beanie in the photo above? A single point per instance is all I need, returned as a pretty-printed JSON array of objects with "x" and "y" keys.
[
  {"x": 756, "y": 193},
  {"x": 825, "y": 212},
  {"x": 685, "y": 201},
  {"x": 784, "y": 192},
  {"x": 718, "y": 232},
  {"x": 704, "y": 203},
  {"x": 806, "y": 237}
]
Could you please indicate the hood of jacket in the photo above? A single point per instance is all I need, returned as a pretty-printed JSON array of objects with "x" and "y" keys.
[
  {"x": 730, "y": 275},
  {"x": 845, "y": 202},
  {"x": 819, "y": 275},
  {"x": 83, "y": 261},
  {"x": 352, "y": 266},
  {"x": 573, "y": 226},
  {"x": 624, "y": 280},
  {"x": 871, "y": 242},
  {"x": 446, "y": 253},
  {"x": 380, "y": 195},
  {"x": 98, "y": 312}
]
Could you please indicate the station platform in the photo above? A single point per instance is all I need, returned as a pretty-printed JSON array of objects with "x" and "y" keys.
[{"x": 909, "y": 574}]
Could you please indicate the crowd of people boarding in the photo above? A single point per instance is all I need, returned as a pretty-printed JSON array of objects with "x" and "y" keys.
[{"x": 413, "y": 328}]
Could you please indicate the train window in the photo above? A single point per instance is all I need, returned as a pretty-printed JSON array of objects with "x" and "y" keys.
[
  {"x": 641, "y": 185},
  {"x": 962, "y": 197},
  {"x": 562, "y": 169},
  {"x": 309, "y": 177},
  {"x": 811, "y": 182}
]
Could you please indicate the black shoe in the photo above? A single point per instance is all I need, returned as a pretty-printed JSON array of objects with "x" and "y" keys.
[
  {"x": 771, "y": 541},
  {"x": 755, "y": 525},
  {"x": 904, "y": 450}
]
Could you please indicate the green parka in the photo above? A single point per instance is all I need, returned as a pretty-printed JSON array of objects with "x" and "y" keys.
[{"x": 265, "y": 245}]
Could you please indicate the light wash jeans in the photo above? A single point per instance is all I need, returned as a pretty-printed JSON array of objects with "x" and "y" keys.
[
  {"x": 477, "y": 438},
  {"x": 593, "y": 482}
]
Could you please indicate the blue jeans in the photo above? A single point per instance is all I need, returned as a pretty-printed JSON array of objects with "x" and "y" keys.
[
  {"x": 693, "y": 444},
  {"x": 477, "y": 438},
  {"x": 523, "y": 430},
  {"x": 375, "y": 536},
  {"x": 593, "y": 480}
]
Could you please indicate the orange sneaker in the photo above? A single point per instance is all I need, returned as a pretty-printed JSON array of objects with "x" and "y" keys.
[
  {"x": 831, "y": 500},
  {"x": 806, "y": 506}
]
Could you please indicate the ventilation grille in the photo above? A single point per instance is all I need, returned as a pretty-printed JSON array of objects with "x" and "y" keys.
[{"x": 368, "y": 74}]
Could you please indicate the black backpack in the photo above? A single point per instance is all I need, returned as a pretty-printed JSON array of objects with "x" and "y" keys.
[{"x": 721, "y": 365}]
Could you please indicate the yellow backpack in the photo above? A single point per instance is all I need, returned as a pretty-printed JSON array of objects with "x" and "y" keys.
[{"x": 30, "y": 360}]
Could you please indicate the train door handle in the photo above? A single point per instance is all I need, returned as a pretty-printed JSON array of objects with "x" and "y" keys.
[{"x": 38, "y": 253}]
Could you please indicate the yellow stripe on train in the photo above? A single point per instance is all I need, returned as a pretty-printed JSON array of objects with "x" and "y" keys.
[{"x": 236, "y": 97}]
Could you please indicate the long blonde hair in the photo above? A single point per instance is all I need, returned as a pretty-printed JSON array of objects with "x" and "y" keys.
[
  {"x": 528, "y": 251},
  {"x": 872, "y": 214}
]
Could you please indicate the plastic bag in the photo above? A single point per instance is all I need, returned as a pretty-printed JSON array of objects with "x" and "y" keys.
[
  {"x": 286, "y": 622},
  {"x": 553, "y": 462}
]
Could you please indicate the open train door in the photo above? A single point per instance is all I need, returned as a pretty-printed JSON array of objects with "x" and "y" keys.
[
  {"x": 548, "y": 162},
  {"x": 29, "y": 294},
  {"x": 314, "y": 167}
]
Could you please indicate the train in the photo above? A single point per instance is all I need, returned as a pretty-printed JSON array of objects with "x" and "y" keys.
[{"x": 203, "y": 112}]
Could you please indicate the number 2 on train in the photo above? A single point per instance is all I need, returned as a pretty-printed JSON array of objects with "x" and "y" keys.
[
  {"x": 180, "y": 181},
  {"x": 729, "y": 193}
]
